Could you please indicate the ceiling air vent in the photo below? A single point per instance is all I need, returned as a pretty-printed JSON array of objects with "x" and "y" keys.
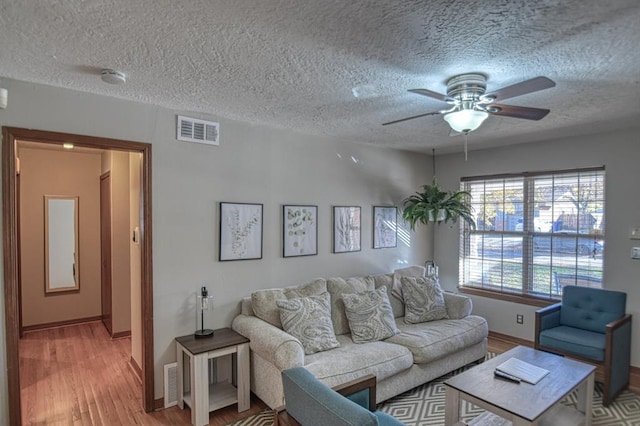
[{"x": 201, "y": 131}]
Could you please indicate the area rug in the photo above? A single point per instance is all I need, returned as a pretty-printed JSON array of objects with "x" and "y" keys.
[{"x": 424, "y": 406}]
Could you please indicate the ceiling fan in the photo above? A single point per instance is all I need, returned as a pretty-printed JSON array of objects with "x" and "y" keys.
[{"x": 470, "y": 105}]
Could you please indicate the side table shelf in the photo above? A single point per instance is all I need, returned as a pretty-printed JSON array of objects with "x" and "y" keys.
[{"x": 203, "y": 397}]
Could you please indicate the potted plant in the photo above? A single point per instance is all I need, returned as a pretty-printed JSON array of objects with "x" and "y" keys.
[{"x": 435, "y": 205}]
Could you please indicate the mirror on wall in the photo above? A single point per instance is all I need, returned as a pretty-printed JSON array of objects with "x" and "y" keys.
[{"x": 61, "y": 243}]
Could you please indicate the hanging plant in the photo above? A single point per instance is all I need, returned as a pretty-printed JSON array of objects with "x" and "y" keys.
[{"x": 438, "y": 206}]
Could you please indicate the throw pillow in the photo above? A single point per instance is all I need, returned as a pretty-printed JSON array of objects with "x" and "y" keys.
[
  {"x": 309, "y": 320},
  {"x": 370, "y": 316},
  {"x": 264, "y": 301},
  {"x": 423, "y": 300},
  {"x": 337, "y": 288},
  {"x": 409, "y": 271},
  {"x": 386, "y": 280}
]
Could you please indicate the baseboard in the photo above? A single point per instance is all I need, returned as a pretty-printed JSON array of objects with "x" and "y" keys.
[
  {"x": 158, "y": 404},
  {"x": 510, "y": 339},
  {"x": 121, "y": 334},
  {"x": 634, "y": 374},
  {"x": 136, "y": 369},
  {"x": 56, "y": 324}
]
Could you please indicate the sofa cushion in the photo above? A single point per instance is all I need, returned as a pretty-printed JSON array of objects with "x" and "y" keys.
[
  {"x": 575, "y": 341},
  {"x": 386, "y": 280},
  {"x": 264, "y": 305},
  {"x": 351, "y": 361},
  {"x": 429, "y": 341},
  {"x": 337, "y": 288},
  {"x": 423, "y": 300},
  {"x": 370, "y": 315},
  {"x": 309, "y": 320}
]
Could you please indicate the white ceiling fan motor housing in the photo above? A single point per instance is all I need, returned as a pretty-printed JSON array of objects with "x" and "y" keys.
[{"x": 466, "y": 87}]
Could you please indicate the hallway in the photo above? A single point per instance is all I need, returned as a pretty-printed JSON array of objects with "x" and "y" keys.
[{"x": 77, "y": 375}]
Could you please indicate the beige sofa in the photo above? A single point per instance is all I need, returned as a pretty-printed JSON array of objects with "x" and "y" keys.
[{"x": 418, "y": 354}]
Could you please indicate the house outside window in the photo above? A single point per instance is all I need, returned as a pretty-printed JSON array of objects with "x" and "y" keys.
[{"x": 536, "y": 233}]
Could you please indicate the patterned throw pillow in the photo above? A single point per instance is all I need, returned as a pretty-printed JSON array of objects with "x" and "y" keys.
[
  {"x": 423, "y": 300},
  {"x": 409, "y": 271},
  {"x": 309, "y": 320},
  {"x": 337, "y": 288},
  {"x": 370, "y": 316},
  {"x": 264, "y": 305}
]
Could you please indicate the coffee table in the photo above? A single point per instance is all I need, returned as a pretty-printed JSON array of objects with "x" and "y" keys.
[{"x": 523, "y": 403}]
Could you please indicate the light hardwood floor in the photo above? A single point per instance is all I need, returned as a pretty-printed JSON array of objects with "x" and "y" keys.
[{"x": 77, "y": 375}]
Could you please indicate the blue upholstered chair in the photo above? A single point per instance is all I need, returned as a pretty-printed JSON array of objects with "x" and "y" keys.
[
  {"x": 590, "y": 324},
  {"x": 310, "y": 402}
]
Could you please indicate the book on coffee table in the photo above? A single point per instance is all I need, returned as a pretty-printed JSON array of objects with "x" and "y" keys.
[{"x": 523, "y": 370}]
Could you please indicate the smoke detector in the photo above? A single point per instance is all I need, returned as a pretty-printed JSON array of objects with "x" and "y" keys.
[{"x": 113, "y": 76}]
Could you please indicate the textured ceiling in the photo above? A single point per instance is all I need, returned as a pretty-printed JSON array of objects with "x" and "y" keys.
[{"x": 340, "y": 68}]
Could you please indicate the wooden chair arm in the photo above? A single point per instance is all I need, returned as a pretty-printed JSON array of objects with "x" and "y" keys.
[
  {"x": 540, "y": 313},
  {"x": 356, "y": 385},
  {"x": 282, "y": 418},
  {"x": 618, "y": 323}
]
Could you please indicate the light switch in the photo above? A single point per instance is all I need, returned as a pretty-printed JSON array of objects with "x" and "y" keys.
[
  {"x": 635, "y": 233},
  {"x": 635, "y": 253}
]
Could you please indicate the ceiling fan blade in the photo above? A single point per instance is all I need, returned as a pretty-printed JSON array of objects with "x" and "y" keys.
[
  {"x": 411, "y": 118},
  {"x": 522, "y": 88},
  {"x": 518, "y": 111},
  {"x": 430, "y": 94}
]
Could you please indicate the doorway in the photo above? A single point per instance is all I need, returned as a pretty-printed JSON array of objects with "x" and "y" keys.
[{"x": 11, "y": 136}]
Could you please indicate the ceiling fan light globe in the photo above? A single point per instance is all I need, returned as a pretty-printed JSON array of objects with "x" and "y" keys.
[{"x": 466, "y": 121}]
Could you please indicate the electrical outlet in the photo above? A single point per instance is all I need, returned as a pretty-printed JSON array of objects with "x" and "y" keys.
[{"x": 520, "y": 319}]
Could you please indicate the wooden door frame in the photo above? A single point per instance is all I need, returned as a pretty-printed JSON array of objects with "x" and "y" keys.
[
  {"x": 10, "y": 135},
  {"x": 104, "y": 176}
]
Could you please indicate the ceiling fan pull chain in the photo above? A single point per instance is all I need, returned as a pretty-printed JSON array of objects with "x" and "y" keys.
[
  {"x": 465, "y": 146},
  {"x": 433, "y": 159}
]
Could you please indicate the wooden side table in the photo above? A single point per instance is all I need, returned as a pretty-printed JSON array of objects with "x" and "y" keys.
[{"x": 202, "y": 396}]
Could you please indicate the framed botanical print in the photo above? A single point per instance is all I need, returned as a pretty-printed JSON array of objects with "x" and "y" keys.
[
  {"x": 385, "y": 227},
  {"x": 300, "y": 230},
  {"x": 346, "y": 229},
  {"x": 240, "y": 231}
]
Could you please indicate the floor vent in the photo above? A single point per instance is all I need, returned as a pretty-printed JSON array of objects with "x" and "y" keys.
[
  {"x": 170, "y": 385},
  {"x": 195, "y": 130}
]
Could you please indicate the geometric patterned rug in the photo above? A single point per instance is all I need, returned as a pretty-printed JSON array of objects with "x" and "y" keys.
[{"x": 424, "y": 406}]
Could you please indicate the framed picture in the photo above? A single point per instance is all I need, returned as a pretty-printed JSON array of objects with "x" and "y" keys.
[
  {"x": 300, "y": 230},
  {"x": 240, "y": 231},
  {"x": 346, "y": 229},
  {"x": 385, "y": 227}
]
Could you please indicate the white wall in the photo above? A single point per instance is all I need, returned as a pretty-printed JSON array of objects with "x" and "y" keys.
[
  {"x": 619, "y": 153},
  {"x": 252, "y": 164}
]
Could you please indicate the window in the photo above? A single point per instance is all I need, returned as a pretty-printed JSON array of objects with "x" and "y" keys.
[{"x": 536, "y": 232}]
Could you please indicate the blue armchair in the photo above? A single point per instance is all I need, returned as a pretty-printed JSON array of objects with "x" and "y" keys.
[
  {"x": 310, "y": 402},
  {"x": 590, "y": 324}
]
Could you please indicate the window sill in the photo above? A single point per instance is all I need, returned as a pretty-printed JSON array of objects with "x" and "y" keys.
[{"x": 515, "y": 298}]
